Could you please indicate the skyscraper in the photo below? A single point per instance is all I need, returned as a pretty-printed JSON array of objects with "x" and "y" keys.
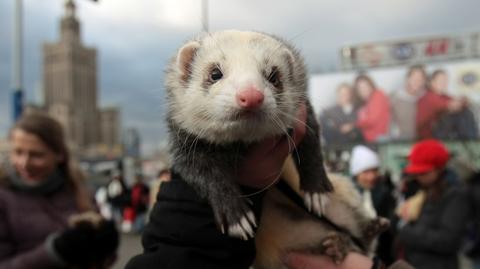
[{"x": 70, "y": 82}]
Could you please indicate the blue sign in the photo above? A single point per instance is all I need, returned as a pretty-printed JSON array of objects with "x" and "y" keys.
[
  {"x": 403, "y": 51},
  {"x": 17, "y": 104}
]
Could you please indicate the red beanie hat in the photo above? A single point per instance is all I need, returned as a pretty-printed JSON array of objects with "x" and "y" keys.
[{"x": 427, "y": 155}]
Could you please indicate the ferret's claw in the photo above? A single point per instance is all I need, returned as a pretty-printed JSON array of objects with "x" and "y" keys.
[
  {"x": 308, "y": 201},
  {"x": 251, "y": 218},
  {"x": 317, "y": 204},
  {"x": 236, "y": 230},
  {"x": 247, "y": 227},
  {"x": 244, "y": 228}
]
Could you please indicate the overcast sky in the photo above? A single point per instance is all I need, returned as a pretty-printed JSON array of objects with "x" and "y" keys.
[{"x": 135, "y": 39}]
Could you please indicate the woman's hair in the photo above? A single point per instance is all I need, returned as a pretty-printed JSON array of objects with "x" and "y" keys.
[
  {"x": 437, "y": 73},
  {"x": 50, "y": 132},
  {"x": 366, "y": 78},
  {"x": 415, "y": 68}
]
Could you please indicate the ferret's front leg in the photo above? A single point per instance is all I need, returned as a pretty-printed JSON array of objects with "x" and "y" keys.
[
  {"x": 314, "y": 182},
  {"x": 215, "y": 183},
  {"x": 231, "y": 211}
]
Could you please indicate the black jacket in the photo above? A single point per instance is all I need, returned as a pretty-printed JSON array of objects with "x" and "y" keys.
[
  {"x": 182, "y": 234},
  {"x": 434, "y": 240}
]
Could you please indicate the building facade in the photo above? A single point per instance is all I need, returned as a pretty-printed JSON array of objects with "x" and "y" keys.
[{"x": 70, "y": 88}]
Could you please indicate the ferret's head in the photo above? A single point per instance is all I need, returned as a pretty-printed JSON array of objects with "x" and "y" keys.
[{"x": 235, "y": 86}]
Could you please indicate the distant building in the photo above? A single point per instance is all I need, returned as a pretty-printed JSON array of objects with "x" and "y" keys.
[
  {"x": 131, "y": 143},
  {"x": 33, "y": 108},
  {"x": 110, "y": 126},
  {"x": 70, "y": 89}
]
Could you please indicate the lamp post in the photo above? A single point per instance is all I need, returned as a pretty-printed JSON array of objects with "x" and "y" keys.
[
  {"x": 17, "y": 67},
  {"x": 205, "y": 15}
]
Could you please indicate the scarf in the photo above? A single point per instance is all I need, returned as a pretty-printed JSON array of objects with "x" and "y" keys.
[{"x": 46, "y": 186}]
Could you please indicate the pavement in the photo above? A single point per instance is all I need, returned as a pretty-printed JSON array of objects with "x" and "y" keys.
[{"x": 130, "y": 245}]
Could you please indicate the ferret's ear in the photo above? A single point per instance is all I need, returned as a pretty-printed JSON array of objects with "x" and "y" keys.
[
  {"x": 290, "y": 58},
  {"x": 185, "y": 58}
]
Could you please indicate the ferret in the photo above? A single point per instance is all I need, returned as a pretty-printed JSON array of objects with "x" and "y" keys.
[{"x": 227, "y": 90}]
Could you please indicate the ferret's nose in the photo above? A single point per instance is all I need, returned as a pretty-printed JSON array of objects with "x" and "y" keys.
[{"x": 250, "y": 98}]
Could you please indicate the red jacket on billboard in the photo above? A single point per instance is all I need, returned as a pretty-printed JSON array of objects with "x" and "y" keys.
[
  {"x": 374, "y": 116},
  {"x": 429, "y": 109}
]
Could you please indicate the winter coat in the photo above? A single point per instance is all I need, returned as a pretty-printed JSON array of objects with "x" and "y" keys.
[
  {"x": 26, "y": 220},
  {"x": 384, "y": 203},
  {"x": 182, "y": 234},
  {"x": 429, "y": 109},
  {"x": 434, "y": 240},
  {"x": 332, "y": 120},
  {"x": 404, "y": 113},
  {"x": 374, "y": 117}
]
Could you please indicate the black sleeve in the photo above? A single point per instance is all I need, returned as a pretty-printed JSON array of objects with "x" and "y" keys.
[
  {"x": 182, "y": 234},
  {"x": 447, "y": 236}
]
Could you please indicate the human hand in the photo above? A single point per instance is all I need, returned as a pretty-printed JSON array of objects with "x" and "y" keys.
[
  {"x": 88, "y": 245},
  {"x": 346, "y": 128},
  {"x": 264, "y": 161},
  {"x": 455, "y": 105},
  {"x": 353, "y": 260}
]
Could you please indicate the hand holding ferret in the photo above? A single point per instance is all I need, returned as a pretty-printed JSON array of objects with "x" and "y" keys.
[{"x": 264, "y": 162}]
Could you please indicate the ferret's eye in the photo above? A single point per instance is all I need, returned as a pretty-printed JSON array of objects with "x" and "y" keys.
[
  {"x": 215, "y": 74},
  {"x": 274, "y": 77}
]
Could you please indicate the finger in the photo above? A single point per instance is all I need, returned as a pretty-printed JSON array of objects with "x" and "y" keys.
[
  {"x": 304, "y": 261},
  {"x": 301, "y": 124}
]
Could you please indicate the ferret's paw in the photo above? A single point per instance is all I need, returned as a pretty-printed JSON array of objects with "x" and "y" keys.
[
  {"x": 336, "y": 247},
  {"x": 244, "y": 229},
  {"x": 236, "y": 219},
  {"x": 316, "y": 202},
  {"x": 376, "y": 227}
]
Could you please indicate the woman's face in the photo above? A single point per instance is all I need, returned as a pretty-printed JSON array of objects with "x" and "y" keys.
[
  {"x": 439, "y": 83},
  {"x": 416, "y": 82},
  {"x": 31, "y": 157},
  {"x": 368, "y": 179},
  {"x": 428, "y": 179},
  {"x": 344, "y": 96},
  {"x": 364, "y": 89}
]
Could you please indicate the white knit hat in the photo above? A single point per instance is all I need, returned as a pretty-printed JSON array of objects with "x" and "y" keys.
[{"x": 363, "y": 159}]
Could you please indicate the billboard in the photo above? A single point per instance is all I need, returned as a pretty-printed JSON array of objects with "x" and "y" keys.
[
  {"x": 410, "y": 51},
  {"x": 463, "y": 84}
]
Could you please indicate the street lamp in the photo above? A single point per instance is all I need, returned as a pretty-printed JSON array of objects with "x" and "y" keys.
[
  {"x": 17, "y": 68},
  {"x": 205, "y": 15}
]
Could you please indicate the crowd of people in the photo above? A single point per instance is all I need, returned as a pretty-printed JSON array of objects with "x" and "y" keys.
[
  {"x": 423, "y": 109},
  {"x": 434, "y": 215},
  {"x": 129, "y": 206}
]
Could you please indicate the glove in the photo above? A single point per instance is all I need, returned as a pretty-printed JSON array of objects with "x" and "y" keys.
[{"x": 86, "y": 244}]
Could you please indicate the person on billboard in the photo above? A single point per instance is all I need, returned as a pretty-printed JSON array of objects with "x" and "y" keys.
[
  {"x": 374, "y": 115},
  {"x": 338, "y": 122},
  {"x": 442, "y": 116},
  {"x": 404, "y": 104}
]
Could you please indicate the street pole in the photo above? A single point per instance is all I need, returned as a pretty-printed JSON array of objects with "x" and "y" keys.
[
  {"x": 205, "y": 15},
  {"x": 17, "y": 67}
]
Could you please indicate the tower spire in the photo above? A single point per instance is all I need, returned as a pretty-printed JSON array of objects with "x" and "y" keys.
[
  {"x": 70, "y": 27},
  {"x": 69, "y": 9}
]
